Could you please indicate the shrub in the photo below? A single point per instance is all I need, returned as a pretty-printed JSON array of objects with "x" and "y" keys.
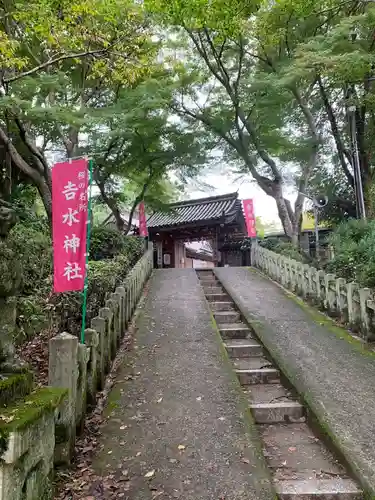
[
  {"x": 32, "y": 316},
  {"x": 103, "y": 277},
  {"x": 37, "y": 308},
  {"x": 353, "y": 244},
  {"x": 284, "y": 248},
  {"x": 106, "y": 243},
  {"x": 33, "y": 246}
]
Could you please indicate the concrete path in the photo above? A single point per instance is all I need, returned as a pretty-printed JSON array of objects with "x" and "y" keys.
[
  {"x": 335, "y": 375},
  {"x": 177, "y": 425}
]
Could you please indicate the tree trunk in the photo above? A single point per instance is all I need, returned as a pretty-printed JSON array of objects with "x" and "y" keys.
[
  {"x": 46, "y": 195},
  {"x": 112, "y": 205},
  {"x": 284, "y": 215}
]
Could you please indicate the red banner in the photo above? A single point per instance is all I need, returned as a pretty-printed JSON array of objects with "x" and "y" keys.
[
  {"x": 69, "y": 224},
  {"x": 248, "y": 207},
  {"x": 142, "y": 220}
]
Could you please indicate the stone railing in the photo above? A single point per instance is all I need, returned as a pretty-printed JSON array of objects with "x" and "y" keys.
[
  {"x": 82, "y": 368},
  {"x": 352, "y": 305}
]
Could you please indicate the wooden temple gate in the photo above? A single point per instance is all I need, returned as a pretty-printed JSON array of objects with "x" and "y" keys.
[{"x": 218, "y": 220}]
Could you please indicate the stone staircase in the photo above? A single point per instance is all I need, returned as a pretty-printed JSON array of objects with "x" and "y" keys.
[{"x": 301, "y": 464}]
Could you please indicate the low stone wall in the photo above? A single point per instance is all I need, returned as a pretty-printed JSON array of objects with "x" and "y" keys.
[
  {"x": 82, "y": 368},
  {"x": 27, "y": 441},
  {"x": 354, "y": 306}
]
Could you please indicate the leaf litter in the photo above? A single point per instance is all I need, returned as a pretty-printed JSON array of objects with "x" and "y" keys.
[{"x": 81, "y": 482}]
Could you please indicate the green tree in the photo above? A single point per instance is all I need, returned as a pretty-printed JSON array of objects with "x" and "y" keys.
[
  {"x": 55, "y": 58},
  {"x": 138, "y": 146},
  {"x": 236, "y": 88}
]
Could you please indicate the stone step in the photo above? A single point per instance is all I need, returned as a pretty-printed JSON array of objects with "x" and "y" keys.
[
  {"x": 216, "y": 297},
  {"x": 234, "y": 331},
  {"x": 222, "y": 306},
  {"x": 214, "y": 287},
  {"x": 272, "y": 413},
  {"x": 242, "y": 348},
  {"x": 210, "y": 284},
  {"x": 271, "y": 393},
  {"x": 227, "y": 317},
  {"x": 253, "y": 363},
  {"x": 258, "y": 376},
  {"x": 318, "y": 489}
]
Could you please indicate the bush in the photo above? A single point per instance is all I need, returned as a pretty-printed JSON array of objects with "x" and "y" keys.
[
  {"x": 353, "y": 244},
  {"x": 106, "y": 243},
  {"x": 33, "y": 246},
  {"x": 103, "y": 277},
  {"x": 37, "y": 308},
  {"x": 284, "y": 248}
]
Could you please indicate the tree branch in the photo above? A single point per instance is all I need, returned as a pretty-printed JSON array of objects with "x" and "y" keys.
[
  {"x": 53, "y": 61},
  {"x": 341, "y": 150}
]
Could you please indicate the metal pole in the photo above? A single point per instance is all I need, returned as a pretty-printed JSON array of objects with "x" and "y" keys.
[
  {"x": 88, "y": 241},
  {"x": 361, "y": 211},
  {"x": 316, "y": 232}
]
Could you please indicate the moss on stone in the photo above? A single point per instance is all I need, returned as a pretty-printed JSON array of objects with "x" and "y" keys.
[
  {"x": 330, "y": 325},
  {"x": 113, "y": 401},
  {"x": 316, "y": 413},
  {"x": 15, "y": 386},
  {"x": 19, "y": 417},
  {"x": 322, "y": 319}
]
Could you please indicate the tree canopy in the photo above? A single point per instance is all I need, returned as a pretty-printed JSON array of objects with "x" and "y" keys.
[
  {"x": 150, "y": 88},
  {"x": 275, "y": 82}
]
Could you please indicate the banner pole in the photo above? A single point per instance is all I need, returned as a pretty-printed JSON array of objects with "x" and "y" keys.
[{"x": 88, "y": 241}]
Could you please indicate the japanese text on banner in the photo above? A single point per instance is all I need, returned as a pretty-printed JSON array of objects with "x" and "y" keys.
[
  {"x": 142, "y": 220},
  {"x": 69, "y": 224},
  {"x": 248, "y": 207}
]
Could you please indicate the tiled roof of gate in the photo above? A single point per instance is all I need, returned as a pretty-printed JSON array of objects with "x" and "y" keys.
[{"x": 200, "y": 210}]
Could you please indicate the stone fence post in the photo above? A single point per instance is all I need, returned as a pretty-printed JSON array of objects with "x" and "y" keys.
[
  {"x": 355, "y": 306},
  {"x": 92, "y": 343},
  {"x": 63, "y": 373}
]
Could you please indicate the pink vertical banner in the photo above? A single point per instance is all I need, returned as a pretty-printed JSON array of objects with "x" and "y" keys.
[
  {"x": 248, "y": 207},
  {"x": 142, "y": 220},
  {"x": 70, "y": 182}
]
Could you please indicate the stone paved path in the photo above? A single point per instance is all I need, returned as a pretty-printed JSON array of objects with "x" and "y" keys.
[
  {"x": 335, "y": 375},
  {"x": 176, "y": 412}
]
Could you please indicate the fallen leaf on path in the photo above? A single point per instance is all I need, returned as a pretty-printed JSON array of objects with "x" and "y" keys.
[
  {"x": 156, "y": 494},
  {"x": 150, "y": 474}
]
